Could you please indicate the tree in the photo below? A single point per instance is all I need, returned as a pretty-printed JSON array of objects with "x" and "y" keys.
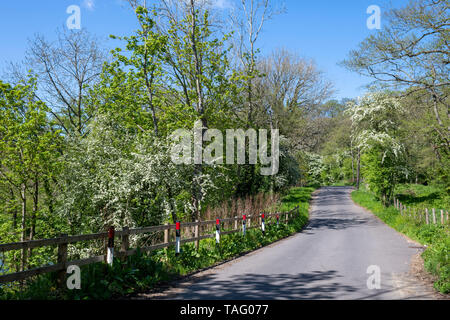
[
  {"x": 375, "y": 119},
  {"x": 29, "y": 149},
  {"x": 199, "y": 69},
  {"x": 412, "y": 52},
  {"x": 248, "y": 21},
  {"x": 147, "y": 49},
  {"x": 65, "y": 70},
  {"x": 289, "y": 98}
]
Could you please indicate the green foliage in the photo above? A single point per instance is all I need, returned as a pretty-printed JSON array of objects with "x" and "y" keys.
[
  {"x": 375, "y": 121},
  {"x": 436, "y": 237},
  {"x": 381, "y": 172},
  {"x": 421, "y": 196}
]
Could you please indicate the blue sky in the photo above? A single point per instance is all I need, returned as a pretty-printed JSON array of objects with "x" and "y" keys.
[{"x": 322, "y": 30}]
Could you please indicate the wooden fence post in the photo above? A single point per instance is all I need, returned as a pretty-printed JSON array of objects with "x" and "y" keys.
[
  {"x": 125, "y": 242},
  {"x": 197, "y": 242},
  {"x": 401, "y": 209},
  {"x": 235, "y": 223},
  {"x": 62, "y": 258},
  {"x": 263, "y": 223},
  {"x": 434, "y": 216},
  {"x": 166, "y": 234},
  {"x": 217, "y": 231},
  {"x": 110, "y": 246},
  {"x": 442, "y": 217},
  {"x": 427, "y": 219},
  {"x": 177, "y": 238}
]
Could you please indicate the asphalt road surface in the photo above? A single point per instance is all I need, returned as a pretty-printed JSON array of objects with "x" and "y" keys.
[{"x": 329, "y": 259}]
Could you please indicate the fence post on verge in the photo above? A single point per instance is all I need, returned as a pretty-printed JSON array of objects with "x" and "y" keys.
[
  {"x": 166, "y": 234},
  {"x": 278, "y": 220},
  {"x": 244, "y": 224},
  {"x": 177, "y": 238},
  {"x": 235, "y": 223},
  {"x": 197, "y": 242},
  {"x": 217, "y": 231},
  {"x": 125, "y": 242},
  {"x": 427, "y": 219},
  {"x": 442, "y": 217},
  {"x": 263, "y": 226},
  {"x": 434, "y": 216},
  {"x": 62, "y": 258},
  {"x": 110, "y": 247}
]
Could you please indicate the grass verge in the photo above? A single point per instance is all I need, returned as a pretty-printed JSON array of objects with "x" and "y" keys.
[
  {"x": 435, "y": 237},
  {"x": 142, "y": 272}
]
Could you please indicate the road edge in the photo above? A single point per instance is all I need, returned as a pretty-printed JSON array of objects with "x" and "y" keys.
[{"x": 416, "y": 266}]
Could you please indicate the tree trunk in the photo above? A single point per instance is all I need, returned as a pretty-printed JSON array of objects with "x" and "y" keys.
[
  {"x": 33, "y": 214},
  {"x": 353, "y": 162},
  {"x": 198, "y": 168},
  {"x": 35, "y": 208},
  {"x": 14, "y": 213},
  {"x": 358, "y": 169},
  {"x": 23, "y": 237},
  {"x": 49, "y": 196}
]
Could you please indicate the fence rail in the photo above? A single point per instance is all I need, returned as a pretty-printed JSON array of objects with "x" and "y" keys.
[
  {"x": 63, "y": 241},
  {"x": 426, "y": 216}
]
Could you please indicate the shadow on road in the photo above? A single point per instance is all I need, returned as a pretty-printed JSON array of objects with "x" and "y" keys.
[
  {"x": 336, "y": 224},
  {"x": 267, "y": 287}
]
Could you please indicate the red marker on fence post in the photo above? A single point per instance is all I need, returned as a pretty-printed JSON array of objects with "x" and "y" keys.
[
  {"x": 177, "y": 238},
  {"x": 244, "y": 223},
  {"x": 263, "y": 227},
  {"x": 110, "y": 248},
  {"x": 217, "y": 231}
]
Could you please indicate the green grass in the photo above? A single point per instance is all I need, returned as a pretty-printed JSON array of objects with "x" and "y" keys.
[
  {"x": 143, "y": 271},
  {"x": 420, "y": 196},
  {"x": 435, "y": 237}
]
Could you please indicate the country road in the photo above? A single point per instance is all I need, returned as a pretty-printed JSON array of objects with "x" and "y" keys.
[{"x": 327, "y": 260}]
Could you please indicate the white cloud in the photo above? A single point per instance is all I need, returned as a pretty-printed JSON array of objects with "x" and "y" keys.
[
  {"x": 89, "y": 4},
  {"x": 222, "y": 4}
]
